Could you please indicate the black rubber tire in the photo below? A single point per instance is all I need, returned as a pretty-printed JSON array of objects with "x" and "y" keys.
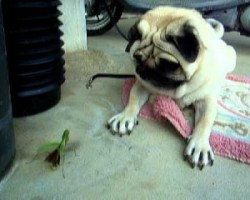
[{"x": 107, "y": 23}]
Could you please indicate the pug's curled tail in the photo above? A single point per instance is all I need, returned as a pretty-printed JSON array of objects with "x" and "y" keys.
[{"x": 217, "y": 26}]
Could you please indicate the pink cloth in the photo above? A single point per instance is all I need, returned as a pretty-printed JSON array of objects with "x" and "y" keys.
[{"x": 164, "y": 108}]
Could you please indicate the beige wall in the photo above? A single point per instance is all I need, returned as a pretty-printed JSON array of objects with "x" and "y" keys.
[{"x": 74, "y": 25}]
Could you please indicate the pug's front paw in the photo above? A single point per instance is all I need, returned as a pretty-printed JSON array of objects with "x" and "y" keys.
[
  {"x": 122, "y": 123},
  {"x": 199, "y": 152}
]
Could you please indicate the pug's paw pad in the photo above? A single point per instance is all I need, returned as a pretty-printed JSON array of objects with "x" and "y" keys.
[
  {"x": 122, "y": 123},
  {"x": 199, "y": 153}
]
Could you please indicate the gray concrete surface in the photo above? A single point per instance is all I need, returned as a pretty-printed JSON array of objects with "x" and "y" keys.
[{"x": 146, "y": 165}]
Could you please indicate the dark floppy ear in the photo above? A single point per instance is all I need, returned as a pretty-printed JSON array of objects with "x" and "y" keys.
[
  {"x": 133, "y": 35},
  {"x": 187, "y": 44}
]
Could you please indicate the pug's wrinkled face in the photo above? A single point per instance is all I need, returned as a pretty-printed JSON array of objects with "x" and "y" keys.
[{"x": 163, "y": 57}]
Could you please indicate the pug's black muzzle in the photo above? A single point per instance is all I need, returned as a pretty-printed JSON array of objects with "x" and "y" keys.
[{"x": 156, "y": 78}]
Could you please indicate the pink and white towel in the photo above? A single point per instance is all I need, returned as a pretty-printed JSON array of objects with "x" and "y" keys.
[{"x": 230, "y": 136}]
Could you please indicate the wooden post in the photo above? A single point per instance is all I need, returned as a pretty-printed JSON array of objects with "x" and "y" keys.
[{"x": 74, "y": 25}]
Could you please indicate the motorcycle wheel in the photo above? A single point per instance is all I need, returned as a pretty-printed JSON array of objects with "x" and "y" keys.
[{"x": 99, "y": 21}]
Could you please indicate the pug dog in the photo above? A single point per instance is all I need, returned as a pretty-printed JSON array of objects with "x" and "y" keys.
[{"x": 180, "y": 54}]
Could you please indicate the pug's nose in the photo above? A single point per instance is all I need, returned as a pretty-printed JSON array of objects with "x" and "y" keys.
[{"x": 138, "y": 57}]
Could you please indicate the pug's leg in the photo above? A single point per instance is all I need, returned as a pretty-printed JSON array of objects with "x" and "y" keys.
[
  {"x": 124, "y": 122},
  {"x": 198, "y": 150}
]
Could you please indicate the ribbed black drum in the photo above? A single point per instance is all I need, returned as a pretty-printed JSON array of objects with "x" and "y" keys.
[
  {"x": 7, "y": 139},
  {"x": 35, "y": 54}
]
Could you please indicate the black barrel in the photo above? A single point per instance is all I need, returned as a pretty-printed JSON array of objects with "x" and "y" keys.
[
  {"x": 7, "y": 140},
  {"x": 35, "y": 54}
]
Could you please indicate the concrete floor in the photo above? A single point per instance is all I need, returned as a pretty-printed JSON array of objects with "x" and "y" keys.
[{"x": 146, "y": 165}]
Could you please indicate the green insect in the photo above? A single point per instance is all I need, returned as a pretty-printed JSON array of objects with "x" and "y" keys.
[{"x": 56, "y": 149}]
